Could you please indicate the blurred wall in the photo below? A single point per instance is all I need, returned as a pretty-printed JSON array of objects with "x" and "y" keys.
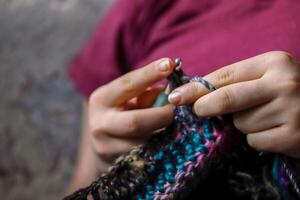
[{"x": 39, "y": 109}]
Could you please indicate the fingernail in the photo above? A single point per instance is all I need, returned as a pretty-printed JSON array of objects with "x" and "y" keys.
[
  {"x": 163, "y": 65},
  {"x": 174, "y": 97}
]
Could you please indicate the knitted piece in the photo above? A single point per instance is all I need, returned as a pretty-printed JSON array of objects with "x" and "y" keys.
[
  {"x": 183, "y": 156},
  {"x": 284, "y": 177}
]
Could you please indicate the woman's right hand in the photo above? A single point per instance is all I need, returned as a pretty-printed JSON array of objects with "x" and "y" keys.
[{"x": 120, "y": 112}]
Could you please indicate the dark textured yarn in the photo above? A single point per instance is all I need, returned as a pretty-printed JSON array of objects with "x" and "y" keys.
[{"x": 195, "y": 158}]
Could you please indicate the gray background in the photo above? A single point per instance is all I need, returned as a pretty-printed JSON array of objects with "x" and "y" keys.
[{"x": 39, "y": 108}]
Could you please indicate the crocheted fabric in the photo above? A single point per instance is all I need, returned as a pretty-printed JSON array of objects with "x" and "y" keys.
[{"x": 204, "y": 157}]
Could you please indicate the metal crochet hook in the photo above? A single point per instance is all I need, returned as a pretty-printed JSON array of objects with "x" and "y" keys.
[
  {"x": 178, "y": 78},
  {"x": 173, "y": 79}
]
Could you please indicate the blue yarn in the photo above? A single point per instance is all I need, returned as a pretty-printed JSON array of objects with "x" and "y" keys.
[
  {"x": 173, "y": 157},
  {"x": 169, "y": 167},
  {"x": 275, "y": 170},
  {"x": 159, "y": 155},
  {"x": 139, "y": 197},
  {"x": 151, "y": 168},
  {"x": 196, "y": 138},
  {"x": 276, "y": 177}
]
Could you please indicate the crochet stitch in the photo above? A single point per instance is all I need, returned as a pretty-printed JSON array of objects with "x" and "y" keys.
[{"x": 206, "y": 157}]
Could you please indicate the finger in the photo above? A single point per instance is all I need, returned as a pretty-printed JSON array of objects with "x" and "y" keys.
[
  {"x": 258, "y": 118},
  {"x": 144, "y": 100},
  {"x": 271, "y": 140},
  {"x": 234, "y": 97},
  {"x": 130, "y": 105},
  {"x": 135, "y": 123},
  {"x": 133, "y": 83},
  {"x": 147, "y": 98},
  {"x": 110, "y": 148},
  {"x": 246, "y": 70},
  {"x": 187, "y": 93}
]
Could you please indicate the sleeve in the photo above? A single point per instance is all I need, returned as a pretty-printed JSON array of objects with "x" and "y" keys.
[
  {"x": 118, "y": 45},
  {"x": 102, "y": 58}
]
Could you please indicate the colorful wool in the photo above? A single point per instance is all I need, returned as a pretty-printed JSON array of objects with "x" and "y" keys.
[{"x": 206, "y": 157}]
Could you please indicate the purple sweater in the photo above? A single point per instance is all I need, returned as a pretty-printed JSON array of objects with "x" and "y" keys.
[{"x": 206, "y": 34}]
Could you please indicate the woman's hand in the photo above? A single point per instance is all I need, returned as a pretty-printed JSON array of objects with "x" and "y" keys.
[
  {"x": 262, "y": 93},
  {"x": 119, "y": 112}
]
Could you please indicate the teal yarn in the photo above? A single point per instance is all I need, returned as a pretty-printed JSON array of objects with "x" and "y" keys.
[
  {"x": 161, "y": 100},
  {"x": 186, "y": 149},
  {"x": 279, "y": 178},
  {"x": 283, "y": 177}
]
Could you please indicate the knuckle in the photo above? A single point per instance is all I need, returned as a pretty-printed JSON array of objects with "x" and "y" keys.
[
  {"x": 95, "y": 96},
  {"x": 102, "y": 150},
  {"x": 267, "y": 145},
  {"x": 132, "y": 125},
  {"x": 237, "y": 122},
  {"x": 127, "y": 83},
  {"x": 96, "y": 133},
  {"x": 280, "y": 57},
  {"x": 289, "y": 86},
  {"x": 93, "y": 126},
  {"x": 98, "y": 128},
  {"x": 251, "y": 143},
  {"x": 226, "y": 75},
  {"x": 101, "y": 146},
  {"x": 226, "y": 101},
  {"x": 193, "y": 88}
]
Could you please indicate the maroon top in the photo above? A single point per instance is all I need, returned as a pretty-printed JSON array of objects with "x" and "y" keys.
[{"x": 206, "y": 34}]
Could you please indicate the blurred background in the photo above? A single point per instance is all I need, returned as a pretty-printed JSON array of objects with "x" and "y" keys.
[{"x": 39, "y": 108}]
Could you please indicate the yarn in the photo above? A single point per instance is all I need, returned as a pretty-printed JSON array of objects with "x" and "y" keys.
[{"x": 194, "y": 156}]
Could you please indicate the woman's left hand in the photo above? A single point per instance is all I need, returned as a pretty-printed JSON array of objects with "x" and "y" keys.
[{"x": 262, "y": 93}]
